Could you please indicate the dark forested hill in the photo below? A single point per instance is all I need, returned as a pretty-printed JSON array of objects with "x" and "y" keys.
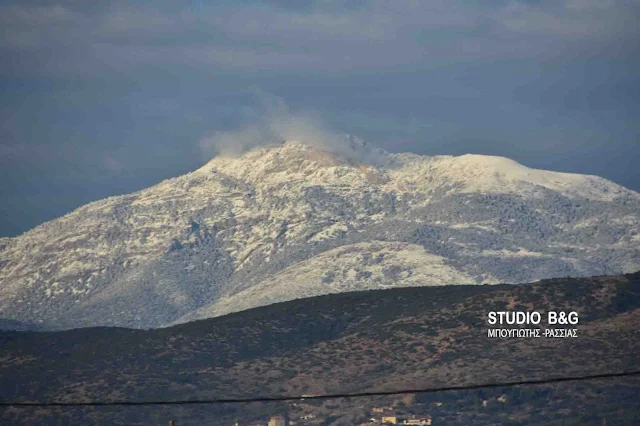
[{"x": 365, "y": 341}]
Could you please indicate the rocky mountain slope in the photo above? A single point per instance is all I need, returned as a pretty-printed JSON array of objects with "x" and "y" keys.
[
  {"x": 386, "y": 340},
  {"x": 291, "y": 220}
]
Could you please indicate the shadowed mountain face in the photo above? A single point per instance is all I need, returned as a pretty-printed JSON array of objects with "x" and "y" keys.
[
  {"x": 292, "y": 221},
  {"x": 351, "y": 342}
]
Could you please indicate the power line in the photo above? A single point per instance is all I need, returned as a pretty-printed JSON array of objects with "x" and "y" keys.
[{"x": 326, "y": 396}]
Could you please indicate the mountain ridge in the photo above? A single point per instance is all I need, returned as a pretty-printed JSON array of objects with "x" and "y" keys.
[{"x": 178, "y": 248}]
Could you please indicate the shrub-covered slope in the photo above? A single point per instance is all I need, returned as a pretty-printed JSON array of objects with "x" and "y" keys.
[{"x": 364, "y": 341}]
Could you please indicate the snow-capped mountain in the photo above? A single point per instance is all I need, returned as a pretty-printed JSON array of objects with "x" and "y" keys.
[{"x": 292, "y": 220}]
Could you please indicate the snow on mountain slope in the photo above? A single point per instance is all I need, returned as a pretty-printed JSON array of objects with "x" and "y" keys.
[
  {"x": 254, "y": 222},
  {"x": 485, "y": 173},
  {"x": 401, "y": 172},
  {"x": 355, "y": 267}
]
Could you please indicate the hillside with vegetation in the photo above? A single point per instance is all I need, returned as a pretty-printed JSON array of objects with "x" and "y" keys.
[{"x": 408, "y": 338}]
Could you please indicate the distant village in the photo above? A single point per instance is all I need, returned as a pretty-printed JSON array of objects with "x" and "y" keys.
[
  {"x": 304, "y": 414},
  {"x": 378, "y": 416}
]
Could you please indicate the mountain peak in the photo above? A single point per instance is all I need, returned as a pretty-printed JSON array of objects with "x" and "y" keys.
[
  {"x": 348, "y": 163},
  {"x": 344, "y": 150}
]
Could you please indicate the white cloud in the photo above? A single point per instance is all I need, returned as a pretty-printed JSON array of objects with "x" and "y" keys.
[{"x": 278, "y": 124}]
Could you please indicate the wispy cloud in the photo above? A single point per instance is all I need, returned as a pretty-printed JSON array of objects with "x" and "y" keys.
[
  {"x": 278, "y": 123},
  {"x": 275, "y": 124}
]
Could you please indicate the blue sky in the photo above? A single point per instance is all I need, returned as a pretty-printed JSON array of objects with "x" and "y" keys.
[{"x": 103, "y": 98}]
